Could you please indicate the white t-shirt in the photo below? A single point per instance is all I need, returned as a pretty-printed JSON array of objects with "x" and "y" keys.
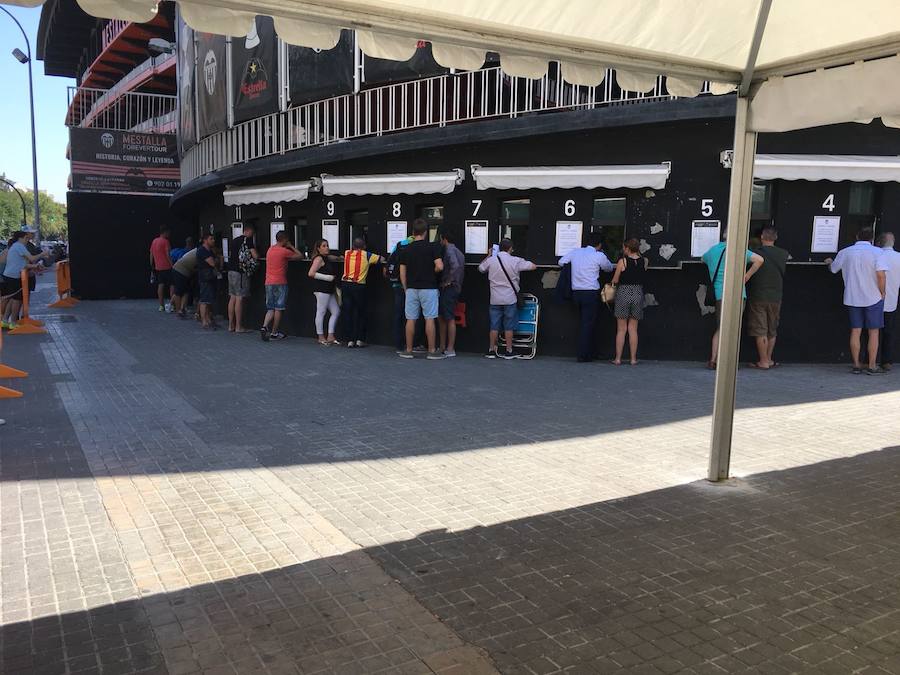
[
  {"x": 891, "y": 263},
  {"x": 859, "y": 264},
  {"x": 586, "y": 265}
]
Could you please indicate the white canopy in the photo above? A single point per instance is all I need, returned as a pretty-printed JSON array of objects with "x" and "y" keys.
[
  {"x": 828, "y": 167},
  {"x": 268, "y": 194},
  {"x": 687, "y": 40},
  {"x": 443, "y": 182},
  {"x": 588, "y": 177}
]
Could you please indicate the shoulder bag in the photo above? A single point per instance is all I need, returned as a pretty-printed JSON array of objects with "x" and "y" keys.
[
  {"x": 711, "y": 289},
  {"x": 520, "y": 301}
]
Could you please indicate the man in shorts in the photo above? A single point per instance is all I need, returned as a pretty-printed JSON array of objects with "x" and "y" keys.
[
  {"x": 764, "y": 298},
  {"x": 184, "y": 269},
  {"x": 277, "y": 258},
  {"x": 503, "y": 269},
  {"x": 451, "y": 287},
  {"x": 161, "y": 263},
  {"x": 863, "y": 268},
  {"x": 208, "y": 274},
  {"x": 238, "y": 280},
  {"x": 420, "y": 264}
]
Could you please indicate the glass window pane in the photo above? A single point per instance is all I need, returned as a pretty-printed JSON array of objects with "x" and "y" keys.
[
  {"x": 862, "y": 199},
  {"x": 516, "y": 211},
  {"x": 761, "y": 201},
  {"x": 609, "y": 212}
]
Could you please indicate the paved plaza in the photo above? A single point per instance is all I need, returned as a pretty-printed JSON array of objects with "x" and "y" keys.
[{"x": 179, "y": 501}]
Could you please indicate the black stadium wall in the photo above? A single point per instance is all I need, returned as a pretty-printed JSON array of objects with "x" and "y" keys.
[
  {"x": 109, "y": 242},
  {"x": 814, "y": 322}
]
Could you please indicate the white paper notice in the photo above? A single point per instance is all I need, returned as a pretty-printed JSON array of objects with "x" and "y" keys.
[
  {"x": 237, "y": 229},
  {"x": 225, "y": 251},
  {"x": 396, "y": 232},
  {"x": 568, "y": 236},
  {"x": 331, "y": 232},
  {"x": 274, "y": 229},
  {"x": 704, "y": 235},
  {"x": 826, "y": 230},
  {"x": 477, "y": 237}
]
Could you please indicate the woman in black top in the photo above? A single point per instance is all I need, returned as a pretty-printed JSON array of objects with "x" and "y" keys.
[
  {"x": 323, "y": 272},
  {"x": 629, "y": 280}
]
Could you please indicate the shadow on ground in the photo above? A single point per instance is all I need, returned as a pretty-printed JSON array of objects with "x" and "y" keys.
[{"x": 791, "y": 571}]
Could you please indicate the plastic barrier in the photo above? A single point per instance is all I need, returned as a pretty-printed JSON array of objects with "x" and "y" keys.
[
  {"x": 27, "y": 325},
  {"x": 7, "y": 371},
  {"x": 64, "y": 286}
]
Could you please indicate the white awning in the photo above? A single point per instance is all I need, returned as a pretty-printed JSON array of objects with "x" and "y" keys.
[
  {"x": 828, "y": 167},
  {"x": 442, "y": 182},
  {"x": 589, "y": 177},
  {"x": 268, "y": 194}
]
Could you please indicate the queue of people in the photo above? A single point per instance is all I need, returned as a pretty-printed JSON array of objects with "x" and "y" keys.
[{"x": 426, "y": 278}]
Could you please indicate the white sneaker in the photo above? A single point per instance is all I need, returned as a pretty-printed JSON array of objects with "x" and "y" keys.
[
  {"x": 169, "y": 307},
  {"x": 449, "y": 354}
]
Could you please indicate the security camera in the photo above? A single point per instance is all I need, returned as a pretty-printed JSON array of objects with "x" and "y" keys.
[{"x": 20, "y": 56}]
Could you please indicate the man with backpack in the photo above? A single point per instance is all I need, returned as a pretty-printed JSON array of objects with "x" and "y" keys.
[{"x": 243, "y": 261}]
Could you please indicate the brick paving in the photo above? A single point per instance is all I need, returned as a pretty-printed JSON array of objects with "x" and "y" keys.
[{"x": 178, "y": 501}]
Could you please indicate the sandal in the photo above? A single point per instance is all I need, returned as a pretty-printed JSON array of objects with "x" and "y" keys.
[
  {"x": 613, "y": 362},
  {"x": 710, "y": 365},
  {"x": 324, "y": 343}
]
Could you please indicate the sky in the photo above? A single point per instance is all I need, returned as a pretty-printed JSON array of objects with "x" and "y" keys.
[{"x": 50, "y": 103}]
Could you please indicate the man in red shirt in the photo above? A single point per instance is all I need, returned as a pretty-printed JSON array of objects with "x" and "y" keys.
[
  {"x": 161, "y": 264},
  {"x": 277, "y": 258}
]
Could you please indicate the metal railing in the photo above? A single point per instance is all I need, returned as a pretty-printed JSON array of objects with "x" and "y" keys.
[
  {"x": 107, "y": 109},
  {"x": 436, "y": 101}
]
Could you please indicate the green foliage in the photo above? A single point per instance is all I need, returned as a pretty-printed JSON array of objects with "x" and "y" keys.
[{"x": 53, "y": 214}]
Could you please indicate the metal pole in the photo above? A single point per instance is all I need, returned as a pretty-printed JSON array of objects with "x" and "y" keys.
[
  {"x": 21, "y": 197},
  {"x": 36, "y": 219},
  {"x": 732, "y": 292}
]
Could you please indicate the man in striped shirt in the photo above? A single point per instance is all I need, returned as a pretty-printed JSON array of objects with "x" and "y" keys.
[{"x": 353, "y": 287}]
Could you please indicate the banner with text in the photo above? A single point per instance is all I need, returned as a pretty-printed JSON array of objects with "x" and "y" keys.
[
  {"x": 254, "y": 71},
  {"x": 185, "y": 76},
  {"x": 124, "y": 161},
  {"x": 315, "y": 74}
]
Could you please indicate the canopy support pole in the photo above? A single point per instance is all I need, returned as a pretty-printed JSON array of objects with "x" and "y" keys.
[{"x": 732, "y": 292}]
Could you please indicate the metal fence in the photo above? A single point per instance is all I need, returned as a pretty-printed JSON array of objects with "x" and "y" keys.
[
  {"x": 129, "y": 111},
  {"x": 436, "y": 101}
]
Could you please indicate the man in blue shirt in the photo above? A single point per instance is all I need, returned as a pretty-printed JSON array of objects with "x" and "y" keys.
[
  {"x": 587, "y": 263},
  {"x": 177, "y": 254},
  {"x": 715, "y": 263}
]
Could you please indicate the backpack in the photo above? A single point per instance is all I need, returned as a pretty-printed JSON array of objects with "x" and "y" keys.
[
  {"x": 393, "y": 265},
  {"x": 246, "y": 262}
]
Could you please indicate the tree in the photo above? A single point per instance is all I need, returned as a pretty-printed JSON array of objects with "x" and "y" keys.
[{"x": 54, "y": 224}]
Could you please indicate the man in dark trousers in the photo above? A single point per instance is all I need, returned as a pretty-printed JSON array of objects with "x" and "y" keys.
[
  {"x": 764, "y": 297},
  {"x": 353, "y": 289},
  {"x": 587, "y": 262}
]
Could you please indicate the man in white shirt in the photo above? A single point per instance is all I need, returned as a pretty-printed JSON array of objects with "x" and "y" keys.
[
  {"x": 891, "y": 264},
  {"x": 864, "y": 285},
  {"x": 503, "y": 270},
  {"x": 587, "y": 263}
]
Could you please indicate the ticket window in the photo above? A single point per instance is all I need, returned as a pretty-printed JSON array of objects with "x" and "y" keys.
[
  {"x": 358, "y": 222},
  {"x": 608, "y": 220},
  {"x": 761, "y": 215},
  {"x": 862, "y": 206},
  {"x": 298, "y": 229},
  {"x": 515, "y": 215},
  {"x": 434, "y": 218}
]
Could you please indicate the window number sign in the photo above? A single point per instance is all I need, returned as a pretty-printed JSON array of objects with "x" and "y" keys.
[
  {"x": 476, "y": 206},
  {"x": 278, "y": 211},
  {"x": 569, "y": 208},
  {"x": 706, "y": 207},
  {"x": 329, "y": 208},
  {"x": 237, "y": 212},
  {"x": 828, "y": 204},
  {"x": 395, "y": 209}
]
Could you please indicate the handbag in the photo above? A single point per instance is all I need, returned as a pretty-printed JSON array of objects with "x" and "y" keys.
[
  {"x": 520, "y": 301},
  {"x": 711, "y": 289},
  {"x": 608, "y": 292}
]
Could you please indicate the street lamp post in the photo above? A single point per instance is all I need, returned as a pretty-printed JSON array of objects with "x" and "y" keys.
[
  {"x": 18, "y": 192},
  {"x": 26, "y": 59}
]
